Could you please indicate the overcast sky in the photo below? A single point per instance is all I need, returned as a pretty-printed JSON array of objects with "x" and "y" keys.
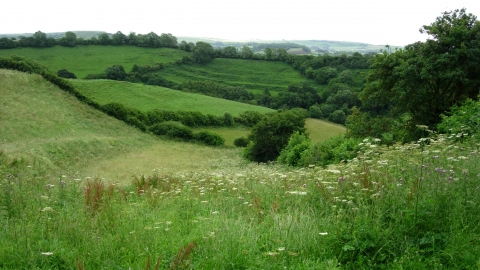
[{"x": 370, "y": 21}]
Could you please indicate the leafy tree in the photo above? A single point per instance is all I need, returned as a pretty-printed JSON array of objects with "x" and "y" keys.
[
  {"x": 246, "y": 52},
  {"x": 69, "y": 40},
  {"x": 230, "y": 52},
  {"x": 119, "y": 38},
  {"x": 427, "y": 78},
  {"x": 104, "y": 39},
  {"x": 168, "y": 40},
  {"x": 203, "y": 52},
  {"x": 268, "y": 53},
  {"x": 6, "y": 43},
  {"x": 40, "y": 39},
  {"x": 115, "y": 72},
  {"x": 272, "y": 133}
]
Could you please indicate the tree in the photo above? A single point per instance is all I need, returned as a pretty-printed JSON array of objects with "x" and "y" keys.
[
  {"x": 203, "y": 52},
  {"x": 119, "y": 38},
  {"x": 115, "y": 72},
  {"x": 246, "y": 52},
  {"x": 426, "y": 78},
  {"x": 104, "y": 39},
  {"x": 69, "y": 40},
  {"x": 230, "y": 52},
  {"x": 40, "y": 39},
  {"x": 271, "y": 134}
]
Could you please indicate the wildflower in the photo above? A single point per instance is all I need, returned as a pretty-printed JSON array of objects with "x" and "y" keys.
[
  {"x": 281, "y": 248},
  {"x": 47, "y": 209},
  {"x": 323, "y": 233},
  {"x": 214, "y": 212},
  {"x": 47, "y": 253}
]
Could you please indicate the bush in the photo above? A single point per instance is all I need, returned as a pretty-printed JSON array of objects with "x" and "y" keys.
[
  {"x": 172, "y": 129},
  {"x": 271, "y": 134},
  {"x": 293, "y": 153},
  {"x": 209, "y": 138},
  {"x": 249, "y": 118},
  {"x": 115, "y": 72},
  {"x": 463, "y": 119},
  {"x": 241, "y": 142},
  {"x": 63, "y": 73}
]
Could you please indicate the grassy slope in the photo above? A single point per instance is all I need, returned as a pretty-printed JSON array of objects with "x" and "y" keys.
[
  {"x": 84, "y": 60},
  {"x": 145, "y": 97},
  {"x": 254, "y": 75},
  {"x": 50, "y": 128}
]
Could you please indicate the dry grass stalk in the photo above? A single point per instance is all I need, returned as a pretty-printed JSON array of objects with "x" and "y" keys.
[{"x": 183, "y": 259}]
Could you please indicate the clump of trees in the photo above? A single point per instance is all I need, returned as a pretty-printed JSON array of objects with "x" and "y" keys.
[{"x": 415, "y": 85}]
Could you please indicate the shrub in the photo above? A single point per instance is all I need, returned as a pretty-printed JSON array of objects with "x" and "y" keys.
[
  {"x": 63, "y": 73},
  {"x": 463, "y": 119},
  {"x": 209, "y": 138},
  {"x": 115, "y": 72},
  {"x": 249, "y": 118},
  {"x": 172, "y": 129},
  {"x": 293, "y": 152},
  {"x": 241, "y": 142},
  {"x": 271, "y": 134}
]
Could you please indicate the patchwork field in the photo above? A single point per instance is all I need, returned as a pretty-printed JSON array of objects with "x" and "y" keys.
[{"x": 255, "y": 76}]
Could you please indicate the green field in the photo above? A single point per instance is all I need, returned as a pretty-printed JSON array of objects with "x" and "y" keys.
[
  {"x": 84, "y": 60},
  {"x": 81, "y": 190},
  {"x": 146, "y": 97},
  {"x": 254, "y": 75}
]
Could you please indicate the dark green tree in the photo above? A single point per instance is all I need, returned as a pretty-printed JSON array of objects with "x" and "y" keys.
[
  {"x": 230, "y": 52},
  {"x": 104, "y": 39},
  {"x": 69, "y": 40},
  {"x": 40, "y": 39},
  {"x": 115, "y": 72},
  {"x": 246, "y": 52},
  {"x": 271, "y": 134},
  {"x": 119, "y": 38},
  {"x": 426, "y": 78},
  {"x": 203, "y": 52}
]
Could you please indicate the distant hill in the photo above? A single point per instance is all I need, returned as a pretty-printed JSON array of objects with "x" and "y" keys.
[{"x": 80, "y": 34}]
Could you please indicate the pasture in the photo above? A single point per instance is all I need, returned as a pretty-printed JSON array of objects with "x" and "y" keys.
[
  {"x": 147, "y": 97},
  {"x": 93, "y": 59}
]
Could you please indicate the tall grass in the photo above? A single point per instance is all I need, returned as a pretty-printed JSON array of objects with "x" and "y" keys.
[{"x": 406, "y": 207}]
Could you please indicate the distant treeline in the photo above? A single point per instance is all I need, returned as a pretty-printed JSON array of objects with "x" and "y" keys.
[{"x": 70, "y": 39}]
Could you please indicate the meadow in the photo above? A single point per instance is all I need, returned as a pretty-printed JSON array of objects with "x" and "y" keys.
[
  {"x": 147, "y": 97},
  {"x": 81, "y": 190},
  {"x": 84, "y": 60}
]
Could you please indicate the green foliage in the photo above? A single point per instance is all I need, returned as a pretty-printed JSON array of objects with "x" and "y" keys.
[
  {"x": 461, "y": 120},
  {"x": 209, "y": 138},
  {"x": 295, "y": 149},
  {"x": 271, "y": 135},
  {"x": 331, "y": 151},
  {"x": 248, "y": 118},
  {"x": 172, "y": 129},
  {"x": 66, "y": 74},
  {"x": 203, "y": 52},
  {"x": 426, "y": 78},
  {"x": 241, "y": 142},
  {"x": 214, "y": 89},
  {"x": 115, "y": 72}
]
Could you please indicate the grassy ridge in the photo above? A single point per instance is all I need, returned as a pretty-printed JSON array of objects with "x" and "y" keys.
[
  {"x": 145, "y": 97},
  {"x": 84, "y": 60},
  {"x": 255, "y": 76}
]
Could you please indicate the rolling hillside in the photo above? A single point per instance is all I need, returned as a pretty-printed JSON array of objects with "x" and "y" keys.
[
  {"x": 57, "y": 134},
  {"x": 84, "y": 60},
  {"x": 146, "y": 97}
]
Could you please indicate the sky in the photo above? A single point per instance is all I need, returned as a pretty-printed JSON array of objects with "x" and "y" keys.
[{"x": 369, "y": 21}]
